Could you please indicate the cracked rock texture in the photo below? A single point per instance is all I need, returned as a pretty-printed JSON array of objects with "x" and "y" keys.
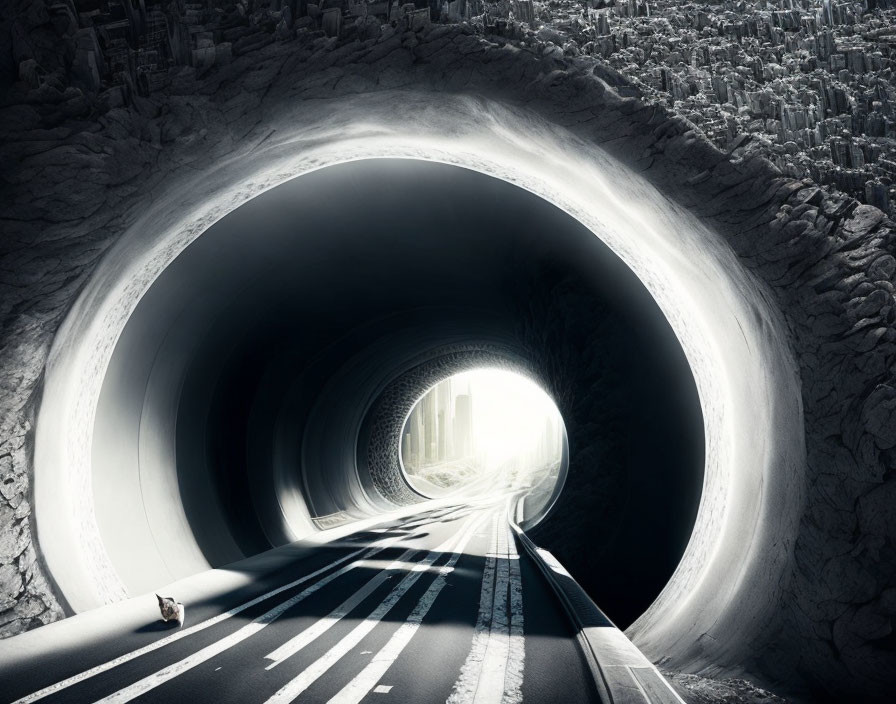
[
  {"x": 26, "y": 599},
  {"x": 701, "y": 690},
  {"x": 78, "y": 165},
  {"x": 386, "y": 422}
]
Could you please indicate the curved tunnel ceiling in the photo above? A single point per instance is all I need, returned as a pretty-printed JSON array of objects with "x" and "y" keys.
[
  {"x": 242, "y": 385},
  {"x": 226, "y": 353}
]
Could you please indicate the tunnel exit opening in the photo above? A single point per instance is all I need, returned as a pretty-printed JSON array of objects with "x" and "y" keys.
[{"x": 486, "y": 431}]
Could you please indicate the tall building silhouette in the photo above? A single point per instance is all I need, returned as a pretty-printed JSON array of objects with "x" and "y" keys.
[
  {"x": 439, "y": 434},
  {"x": 430, "y": 427},
  {"x": 463, "y": 426}
]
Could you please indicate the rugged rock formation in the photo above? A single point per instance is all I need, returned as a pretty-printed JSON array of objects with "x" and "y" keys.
[
  {"x": 79, "y": 166},
  {"x": 700, "y": 690}
]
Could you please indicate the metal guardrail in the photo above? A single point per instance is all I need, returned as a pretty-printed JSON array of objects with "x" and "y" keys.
[{"x": 621, "y": 672}]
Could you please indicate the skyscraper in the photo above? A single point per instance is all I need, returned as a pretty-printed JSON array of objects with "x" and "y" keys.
[
  {"x": 430, "y": 426},
  {"x": 463, "y": 425}
]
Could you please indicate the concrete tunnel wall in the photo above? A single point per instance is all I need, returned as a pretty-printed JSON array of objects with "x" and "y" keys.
[
  {"x": 809, "y": 606},
  {"x": 730, "y": 334},
  {"x": 316, "y": 348}
]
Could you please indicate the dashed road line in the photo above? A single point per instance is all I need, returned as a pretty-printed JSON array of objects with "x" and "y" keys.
[
  {"x": 178, "y": 635},
  {"x": 156, "y": 679},
  {"x": 493, "y": 670},
  {"x": 313, "y": 632},
  {"x": 367, "y": 679},
  {"x": 319, "y": 667}
]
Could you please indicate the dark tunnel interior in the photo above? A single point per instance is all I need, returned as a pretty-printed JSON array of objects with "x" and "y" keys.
[{"x": 280, "y": 326}]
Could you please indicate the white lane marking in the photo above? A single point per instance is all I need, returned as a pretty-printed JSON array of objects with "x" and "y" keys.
[
  {"x": 167, "y": 640},
  {"x": 313, "y": 672},
  {"x": 464, "y": 689},
  {"x": 383, "y": 689},
  {"x": 358, "y": 688},
  {"x": 152, "y": 681},
  {"x": 513, "y": 678},
  {"x": 310, "y": 634},
  {"x": 493, "y": 671},
  {"x": 494, "y": 663}
]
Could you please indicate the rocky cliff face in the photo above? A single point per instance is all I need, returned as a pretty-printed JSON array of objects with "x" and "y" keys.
[{"x": 79, "y": 162}]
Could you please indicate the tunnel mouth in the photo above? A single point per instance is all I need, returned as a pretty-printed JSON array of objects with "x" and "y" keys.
[
  {"x": 259, "y": 390},
  {"x": 731, "y": 344},
  {"x": 486, "y": 431}
]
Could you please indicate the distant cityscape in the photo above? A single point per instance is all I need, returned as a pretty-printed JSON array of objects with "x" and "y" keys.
[
  {"x": 440, "y": 427},
  {"x": 439, "y": 442},
  {"x": 807, "y": 83}
]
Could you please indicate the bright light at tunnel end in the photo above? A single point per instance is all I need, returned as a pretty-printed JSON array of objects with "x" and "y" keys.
[
  {"x": 484, "y": 431},
  {"x": 509, "y": 413}
]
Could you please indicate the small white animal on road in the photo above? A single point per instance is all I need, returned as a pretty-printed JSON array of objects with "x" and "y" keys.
[{"x": 171, "y": 610}]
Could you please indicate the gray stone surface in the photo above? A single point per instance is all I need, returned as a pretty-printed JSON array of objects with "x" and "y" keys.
[
  {"x": 702, "y": 690},
  {"x": 79, "y": 166}
]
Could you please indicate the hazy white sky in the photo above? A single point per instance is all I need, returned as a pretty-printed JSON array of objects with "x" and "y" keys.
[{"x": 509, "y": 413}]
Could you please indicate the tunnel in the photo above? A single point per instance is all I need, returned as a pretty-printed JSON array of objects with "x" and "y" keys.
[
  {"x": 227, "y": 282},
  {"x": 261, "y": 383},
  {"x": 236, "y": 373}
]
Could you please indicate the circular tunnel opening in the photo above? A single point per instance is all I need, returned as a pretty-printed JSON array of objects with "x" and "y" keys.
[
  {"x": 724, "y": 333},
  {"x": 259, "y": 389},
  {"x": 486, "y": 432}
]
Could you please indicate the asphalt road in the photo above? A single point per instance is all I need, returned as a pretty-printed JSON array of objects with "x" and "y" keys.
[{"x": 438, "y": 607}]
